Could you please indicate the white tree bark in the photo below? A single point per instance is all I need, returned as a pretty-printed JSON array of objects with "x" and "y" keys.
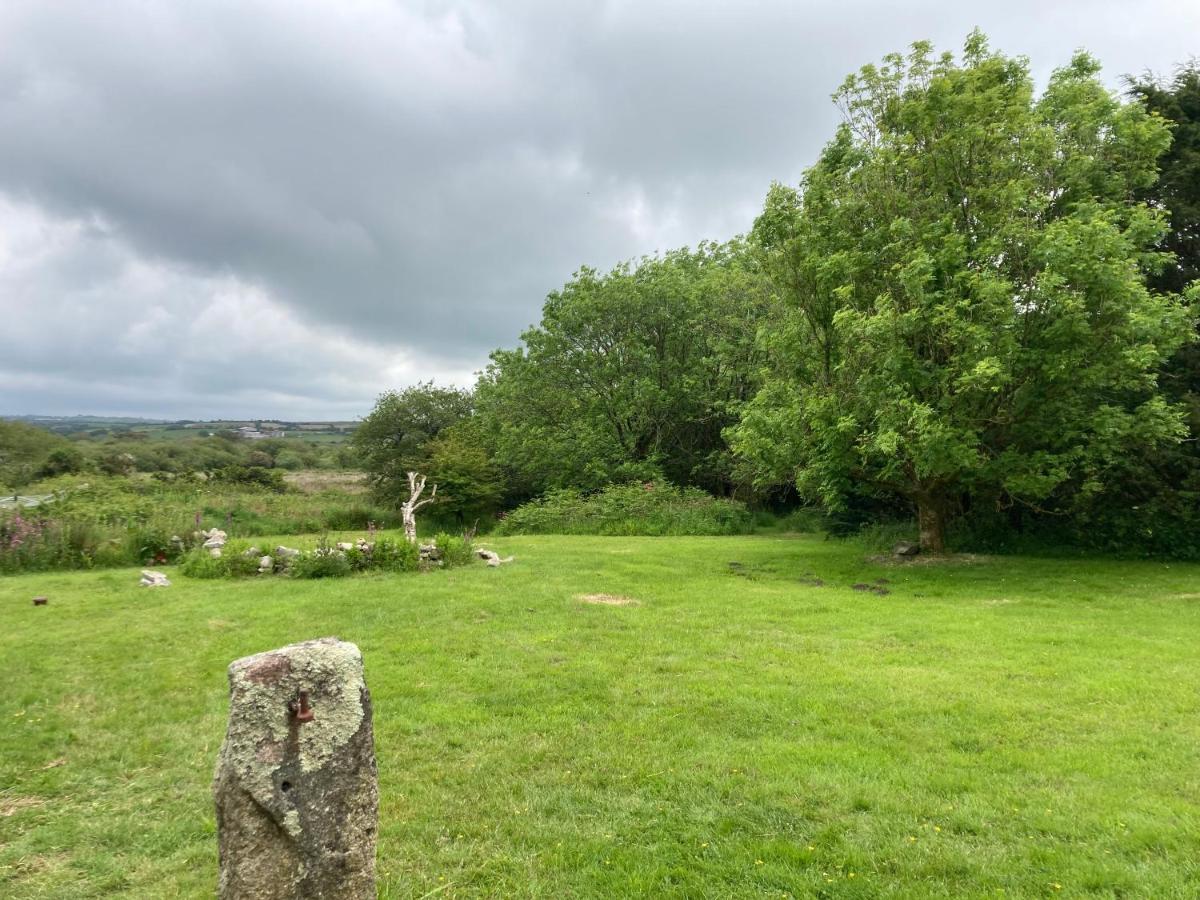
[{"x": 408, "y": 509}]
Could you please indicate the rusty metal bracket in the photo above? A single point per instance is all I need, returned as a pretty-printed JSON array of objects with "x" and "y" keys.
[{"x": 300, "y": 710}]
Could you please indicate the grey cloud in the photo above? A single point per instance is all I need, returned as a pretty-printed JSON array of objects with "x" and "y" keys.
[{"x": 407, "y": 181}]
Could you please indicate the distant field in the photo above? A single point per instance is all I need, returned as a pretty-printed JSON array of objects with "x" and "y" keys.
[{"x": 751, "y": 725}]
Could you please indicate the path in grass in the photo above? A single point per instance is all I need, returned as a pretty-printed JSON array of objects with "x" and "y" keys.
[{"x": 1030, "y": 727}]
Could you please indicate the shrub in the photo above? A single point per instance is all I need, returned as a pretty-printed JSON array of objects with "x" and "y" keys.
[
  {"x": 456, "y": 551},
  {"x": 630, "y": 509},
  {"x": 326, "y": 561},
  {"x": 394, "y": 556},
  {"x": 233, "y": 562},
  {"x": 200, "y": 564},
  {"x": 251, "y": 476}
]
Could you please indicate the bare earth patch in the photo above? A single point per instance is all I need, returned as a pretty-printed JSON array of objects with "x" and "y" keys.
[
  {"x": 929, "y": 559},
  {"x": 10, "y": 806},
  {"x": 607, "y": 599}
]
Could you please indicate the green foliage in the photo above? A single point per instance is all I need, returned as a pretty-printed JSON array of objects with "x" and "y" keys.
[
  {"x": 26, "y": 451},
  {"x": 395, "y": 437},
  {"x": 256, "y": 476},
  {"x": 636, "y": 508},
  {"x": 63, "y": 461},
  {"x": 99, "y": 521},
  {"x": 1150, "y": 502},
  {"x": 326, "y": 561},
  {"x": 1178, "y": 185},
  {"x": 965, "y": 317},
  {"x": 631, "y": 375},
  {"x": 470, "y": 484},
  {"x": 455, "y": 551},
  {"x": 234, "y": 562},
  {"x": 394, "y": 556}
]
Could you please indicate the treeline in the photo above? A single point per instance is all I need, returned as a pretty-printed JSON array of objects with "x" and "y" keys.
[{"x": 978, "y": 309}]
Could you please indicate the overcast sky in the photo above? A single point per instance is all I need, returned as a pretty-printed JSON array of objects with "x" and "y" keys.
[{"x": 280, "y": 208}]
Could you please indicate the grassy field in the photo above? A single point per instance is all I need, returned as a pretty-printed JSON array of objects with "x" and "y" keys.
[{"x": 985, "y": 728}]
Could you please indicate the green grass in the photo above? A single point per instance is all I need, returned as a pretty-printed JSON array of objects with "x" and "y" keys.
[{"x": 1009, "y": 727}]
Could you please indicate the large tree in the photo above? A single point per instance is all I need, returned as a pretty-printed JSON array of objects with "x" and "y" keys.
[
  {"x": 964, "y": 308},
  {"x": 632, "y": 373},
  {"x": 396, "y": 437},
  {"x": 1178, "y": 187}
]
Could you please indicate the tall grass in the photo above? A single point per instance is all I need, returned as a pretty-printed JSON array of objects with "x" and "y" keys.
[{"x": 104, "y": 521}]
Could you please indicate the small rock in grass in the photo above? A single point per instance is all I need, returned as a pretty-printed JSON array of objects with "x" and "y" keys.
[
  {"x": 492, "y": 557},
  {"x": 154, "y": 579},
  {"x": 906, "y": 548}
]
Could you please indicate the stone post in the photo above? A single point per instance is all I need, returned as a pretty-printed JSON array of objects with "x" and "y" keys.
[{"x": 296, "y": 786}]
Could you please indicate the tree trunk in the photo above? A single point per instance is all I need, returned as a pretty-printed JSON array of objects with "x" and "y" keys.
[
  {"x": 931, "y": 519},
  {"x": 408, "y": 509}
]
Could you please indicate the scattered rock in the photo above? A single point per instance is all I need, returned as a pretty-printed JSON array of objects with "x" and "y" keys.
[
  {"x": 154, "y": 579},
  {"x": 345, "y": 545},
  {"x": 906, "y": 548},
  {"x": 214, "y": 540},
  {"x": 492, "y": 557},
  {"x": 214, "y": 552},
  {"x": 265, "y": 565},
  {"x": 286, "y": 552},
  {"x": 296, "y": 785}
]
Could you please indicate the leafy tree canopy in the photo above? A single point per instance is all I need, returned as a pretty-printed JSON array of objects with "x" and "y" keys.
[
  {"x": 964, "y": 308},
  {"x": 395, "y": 436},
  {"x": 28, "y": 452},
  {"x": 631, "y": 375}
]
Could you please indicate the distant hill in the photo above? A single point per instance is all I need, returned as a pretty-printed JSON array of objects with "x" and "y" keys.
[{"x": 258, "y": 428}]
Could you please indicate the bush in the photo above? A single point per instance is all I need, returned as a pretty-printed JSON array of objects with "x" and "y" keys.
[
  {"x": 394, "y": 556},
  {"x": 326, "y": 561},
  {"x": 251, "y": 476},
  {"x": 233, "y": 562},
  {"x": 456, "y": 551},
  {"x": 630, "y": 509},
  {"x": 200, "y": 564}
]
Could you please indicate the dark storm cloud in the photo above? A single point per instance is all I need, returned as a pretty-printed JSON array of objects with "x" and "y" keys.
[{"x": 399, "y": 185}]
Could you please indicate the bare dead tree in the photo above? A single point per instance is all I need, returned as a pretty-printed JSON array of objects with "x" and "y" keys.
[{"x": 408, "y": 509}]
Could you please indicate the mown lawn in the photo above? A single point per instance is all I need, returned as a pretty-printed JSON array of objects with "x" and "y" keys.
[{"x": 1004, "y": 727}]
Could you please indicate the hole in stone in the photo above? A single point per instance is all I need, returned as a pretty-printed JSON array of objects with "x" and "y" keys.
[{"x": 285, "y": 786}]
